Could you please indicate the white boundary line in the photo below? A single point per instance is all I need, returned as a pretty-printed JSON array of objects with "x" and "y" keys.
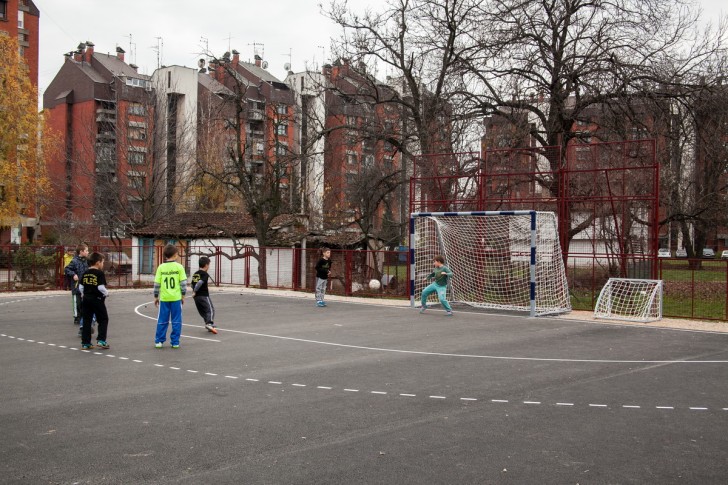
[{"x": 444, "y": 354}]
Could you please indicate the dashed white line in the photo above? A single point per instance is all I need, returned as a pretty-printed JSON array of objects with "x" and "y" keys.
[{"x": 626, "y": 406}]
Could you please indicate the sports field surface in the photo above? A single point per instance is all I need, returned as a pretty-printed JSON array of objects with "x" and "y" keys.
[{"x": 357, "y": 392}]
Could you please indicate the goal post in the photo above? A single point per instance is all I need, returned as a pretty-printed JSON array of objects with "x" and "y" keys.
[
  {"x": 630, "y": 299},
  {"x": 507, "y": 260}
]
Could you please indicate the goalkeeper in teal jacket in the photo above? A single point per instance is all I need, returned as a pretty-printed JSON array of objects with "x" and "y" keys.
[{"x": 441, "y": 274}]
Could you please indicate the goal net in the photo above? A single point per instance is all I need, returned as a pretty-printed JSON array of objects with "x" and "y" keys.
[
  {"x": 630, "y": 299},
  {"x": 507, "y": 260}
]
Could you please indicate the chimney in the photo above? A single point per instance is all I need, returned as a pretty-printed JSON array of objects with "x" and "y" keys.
[
  {"x": 89, "y": 51},
  {"x": 236, "y": 58},
  {"x": 258, "y": 60},
  {"x": 134, "y": 66},
  {"x": 120, "y": 53},
  {"x": 78, "y": 55}
]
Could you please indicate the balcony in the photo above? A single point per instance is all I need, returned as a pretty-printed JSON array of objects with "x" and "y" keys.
[{"x": 106, "y": 135}]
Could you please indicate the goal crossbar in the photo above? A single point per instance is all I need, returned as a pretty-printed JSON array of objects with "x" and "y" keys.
[{"x": 508, "y": 260}]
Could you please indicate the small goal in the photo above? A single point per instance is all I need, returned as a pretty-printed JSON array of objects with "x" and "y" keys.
[
  {"x": 630, "y": 299},
  {"x": 504, "y": 260}
]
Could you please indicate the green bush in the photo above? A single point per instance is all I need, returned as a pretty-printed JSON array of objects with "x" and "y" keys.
[{"x": 32, "y": 266}]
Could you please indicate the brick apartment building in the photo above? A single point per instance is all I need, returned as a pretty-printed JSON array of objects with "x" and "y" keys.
[
  {"x": 21, "y": 19},
  {"x": 333, "y": 103},
  {"x": 104, "y": 111}
]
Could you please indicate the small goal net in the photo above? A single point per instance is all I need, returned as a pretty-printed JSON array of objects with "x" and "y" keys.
[
  {"x": 630, "y": 299},
  {"x": 507, "y": 260}
]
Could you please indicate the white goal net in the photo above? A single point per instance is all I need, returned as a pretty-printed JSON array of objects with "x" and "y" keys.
[
  {"x": 501, "y": 260},
  {"x": 630, "y": 299}
]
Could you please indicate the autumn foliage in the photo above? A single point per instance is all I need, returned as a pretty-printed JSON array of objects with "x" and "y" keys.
[{"x": 23, "y": 180}]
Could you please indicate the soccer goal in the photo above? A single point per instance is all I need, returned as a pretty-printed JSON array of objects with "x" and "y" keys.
[
  {"x": 630, "y": 299},
  {"x": 507, "y": 260}
]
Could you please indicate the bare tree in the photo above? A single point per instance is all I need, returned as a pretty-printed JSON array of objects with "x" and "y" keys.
[{"x": 256, "y": 171}]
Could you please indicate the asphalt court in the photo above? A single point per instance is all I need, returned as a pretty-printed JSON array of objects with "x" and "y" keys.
[{"x": 355, "y": 393}]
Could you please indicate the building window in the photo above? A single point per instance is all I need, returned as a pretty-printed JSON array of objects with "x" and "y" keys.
[
  {"x": 146, "y": 256},
  {"x": 351, "y": 158},
  {"x": 135, "y": 82},
  {"x": 3, "y": 10},
  {"x": 21, "y": 19},
  {"x": 137, "y": 109},
  {"x": 136, "y": 158},
  {"x": 282, "y": 109},
  {"x": 137, "y": 180},
  {"x": 137, "y": 133},
  {"x": 282, "y": 129}
]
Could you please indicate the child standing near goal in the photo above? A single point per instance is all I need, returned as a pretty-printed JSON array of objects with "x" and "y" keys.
[
  {"x": 441, "y": 274},
  {"x": 323, "y": 270},
  {"x": 201, "y": 294}
]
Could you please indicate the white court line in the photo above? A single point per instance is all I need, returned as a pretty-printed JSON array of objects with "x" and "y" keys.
[
  {"x": 136, "y": 310},
  {"x": 324, "y": 387},
  {"x": 531, "y": 402},
  {"x": 468, "y": 399},
  {"x": 630, "y": 406},
  {"x": 698, "y": 409},
  {"x": 275, "y": 382},
  {"x": 443, "y": 354},
  {"x": 438, "y": 397},
  {"x": 564, "y": 403},
  {"x": 664, "y": 407},
  {"x": 408, "y": 395},
  {"x": 351, "y": 390},
  {"x": 498, "y": 400},
  {"x": 598, "y": 405},
  {"x": 378, "y": 392},
  {"x": 299, "y": 385}
]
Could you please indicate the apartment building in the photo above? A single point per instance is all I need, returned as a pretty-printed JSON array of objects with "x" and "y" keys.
[
  {"x": 21, "y": 19},
  {"x": 104, "y": 111}
]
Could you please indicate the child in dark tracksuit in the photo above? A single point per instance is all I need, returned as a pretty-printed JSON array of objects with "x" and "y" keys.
[
  {"x": 323, "y": 270},
  {"x": 73, "y": 271},
  {"x": 92, "y": 287},
  {"x": 201, "y": 294}
]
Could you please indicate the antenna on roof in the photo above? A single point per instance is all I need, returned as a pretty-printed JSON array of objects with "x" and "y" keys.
[
  {"x": 159, "y": 49},
  {"x": 132, "y": 49},
  {"x": 229, "y": 38},
  {"x": 255, "y": 49}
]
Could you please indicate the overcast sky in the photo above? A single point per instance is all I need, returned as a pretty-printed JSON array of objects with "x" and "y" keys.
[{"x": 280, "y": 31}]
